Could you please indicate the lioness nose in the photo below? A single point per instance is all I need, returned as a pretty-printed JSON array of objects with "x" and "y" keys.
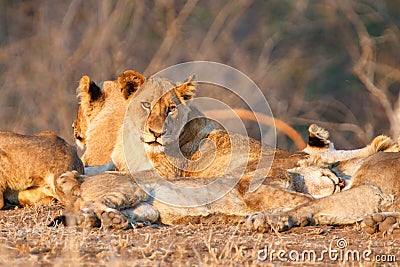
[{"x": 156, "y": 134}]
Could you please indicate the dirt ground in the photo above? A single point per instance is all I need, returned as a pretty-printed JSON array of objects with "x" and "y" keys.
[{"x": 26, "y": 240}]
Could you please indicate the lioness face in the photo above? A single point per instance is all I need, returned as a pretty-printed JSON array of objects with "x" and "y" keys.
[
  {"x": 167, "y": 112},
  {"x": 98, "y": 103}
]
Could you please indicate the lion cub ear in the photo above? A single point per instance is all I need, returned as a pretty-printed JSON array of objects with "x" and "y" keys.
[
  {"x": 129, "y": 82},
  {"x": 186, "y": 89},
  {"x": 88, "y": 91}
]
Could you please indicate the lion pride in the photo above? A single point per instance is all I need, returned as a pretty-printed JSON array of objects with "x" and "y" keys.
[{"x": 153, "y": 125}]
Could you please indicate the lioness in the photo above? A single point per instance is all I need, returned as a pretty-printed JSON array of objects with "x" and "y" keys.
[
  {"x": 155, "y": 124},
  {"x": 29, "y": 166},
  {"x": 101, "y": 113}
]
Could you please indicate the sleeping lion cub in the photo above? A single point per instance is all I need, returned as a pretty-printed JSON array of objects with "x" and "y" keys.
[{"x": 29, "y": 166}]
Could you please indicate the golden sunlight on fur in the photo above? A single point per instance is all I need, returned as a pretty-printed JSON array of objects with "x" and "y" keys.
[
  {"x": 29, "y": 166},
  {"x": 142, "y": 145}
]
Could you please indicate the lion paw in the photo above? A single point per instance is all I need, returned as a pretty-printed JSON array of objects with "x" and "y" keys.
[
  {"x": 260, "y": 222},
  {"x": 87, "y": 218},
  {"x": 385, "y": 222},
  {"x": 68, "y": 184},
  {"x": 112, "y": 218}
]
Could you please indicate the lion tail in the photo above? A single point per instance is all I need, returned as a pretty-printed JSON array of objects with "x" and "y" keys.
[{"x": 381, "y": 143}]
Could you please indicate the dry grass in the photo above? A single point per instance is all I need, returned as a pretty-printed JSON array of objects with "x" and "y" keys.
[{"x": 27, "y": 241}]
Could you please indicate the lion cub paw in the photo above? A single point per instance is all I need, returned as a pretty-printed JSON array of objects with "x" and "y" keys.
[
  {"x": 112, "y": 218},
  {"x": 262, "y": 223},
  {"x": 385, "y": 222},
  {"x": 86, "y": 218},
  {"x": 68, "y": 184}
]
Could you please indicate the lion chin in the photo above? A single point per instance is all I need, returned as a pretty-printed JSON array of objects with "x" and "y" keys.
[{"x": 154, "y": 147}]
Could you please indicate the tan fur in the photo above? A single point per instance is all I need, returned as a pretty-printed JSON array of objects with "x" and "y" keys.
[
  {"x": 150, "y": 126},
  {"x": 154, "y": 129},
  {"x": 79, "y": 127},
  {"x": 147, "y": 132},
  {"x": 141, "y": 128},
  {"x": 384, "y": 222},
  {"x": 150, "y": 131},
  {"x": 116, "y": 200},
  {"x": 327, "y": 153},
  {"x": 30, "y": 164},
  {"x": 375, "y": 188},
  {"x": 100, "y": 114},
  {"x": 319, "y": 182}
]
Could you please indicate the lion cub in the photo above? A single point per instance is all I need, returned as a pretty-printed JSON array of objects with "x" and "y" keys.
[{"x": 29, "y": 165}]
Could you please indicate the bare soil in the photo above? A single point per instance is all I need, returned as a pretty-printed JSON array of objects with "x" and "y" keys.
[{"x": 26, "y": 240}]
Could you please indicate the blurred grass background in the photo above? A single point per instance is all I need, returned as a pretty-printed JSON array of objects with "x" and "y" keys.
[{"x": 335, "y": 63}]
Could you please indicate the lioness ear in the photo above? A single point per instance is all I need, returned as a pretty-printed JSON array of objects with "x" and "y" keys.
[
  {"x": 129, "y": 82},
  {"x": 88, "y": 91},
  {"x": 187, "y": 88}
]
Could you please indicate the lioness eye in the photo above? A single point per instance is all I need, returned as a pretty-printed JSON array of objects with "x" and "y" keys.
[
  {"x": 171, "y": 109},
  {"x": 146, "y": 105}
]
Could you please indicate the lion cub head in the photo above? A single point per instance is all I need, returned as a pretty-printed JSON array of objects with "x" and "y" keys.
[{"x": 100, "y": 114}]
